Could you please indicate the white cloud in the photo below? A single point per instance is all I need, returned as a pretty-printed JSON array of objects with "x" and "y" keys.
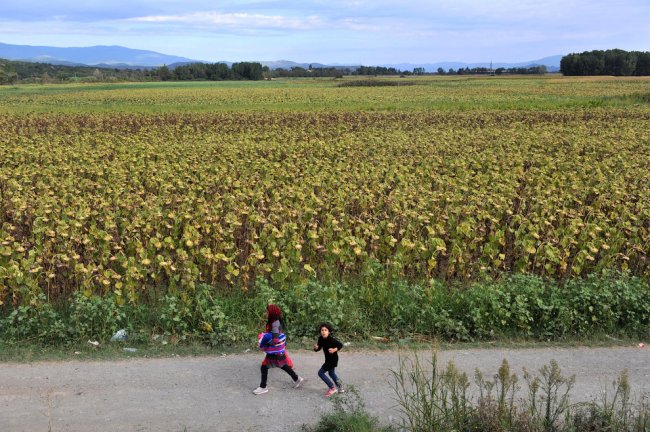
[
  {"x": 251, "y": 22},
  {"x": 244, "y": 20}
]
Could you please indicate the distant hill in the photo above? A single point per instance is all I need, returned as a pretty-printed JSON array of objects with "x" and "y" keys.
[
  {"x": 100, "y": 56},
  {"x": 121, "y": 57}
]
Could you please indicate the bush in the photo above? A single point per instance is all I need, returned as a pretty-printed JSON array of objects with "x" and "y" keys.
[
  {"x": 609, "y": 302},
  {"x": 200, "y": 316},
  {"x": 348, "y": 415},
  {"x": 310, "y": 303},
  {"x": 37, "y": 321},
  {"x": 94, "y": 317},
  {"x": 526, "y": 305}
]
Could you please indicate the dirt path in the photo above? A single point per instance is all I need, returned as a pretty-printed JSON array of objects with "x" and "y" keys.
[{"x": 214, "y": 393}]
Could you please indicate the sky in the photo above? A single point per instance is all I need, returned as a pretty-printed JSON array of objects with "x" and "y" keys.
[{"x": 335, "y": 31}]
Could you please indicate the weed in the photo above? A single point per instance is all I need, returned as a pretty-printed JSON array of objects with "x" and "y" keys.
[
  {"x": 348, "y": 415},
  {"x": 432, "y": 399}
]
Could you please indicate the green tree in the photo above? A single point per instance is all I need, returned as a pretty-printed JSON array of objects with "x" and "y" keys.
[
  {"x": 7, "y": 74},
  {"x": 298, "y": 71},
  {"x": 164, "y": 73},
  {"x": 619, "y": 62},
  {"x": 611, "y": 62},
  {"x": 642, "y": 64},
  {"x": 217, "y": 72},
  {"x": 247, "y": 71}
]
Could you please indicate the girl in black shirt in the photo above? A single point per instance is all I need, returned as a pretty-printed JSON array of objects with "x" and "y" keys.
[{"x": 330, "y": 347}]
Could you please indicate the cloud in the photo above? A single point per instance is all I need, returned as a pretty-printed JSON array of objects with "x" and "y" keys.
[
  {"x": 235, "y": 20},
  {"x": 250, "y": 22}
]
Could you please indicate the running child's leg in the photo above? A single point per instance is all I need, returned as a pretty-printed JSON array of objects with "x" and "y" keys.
[
  {"x": 323, "y": 376},
  {"x": 265, "y": 374},
  {"x": 290, "y": 371},
  {"x": 297, "y": 380},
  {"x": 336, "y": 379},
  {"x": 332, "y": 373}
]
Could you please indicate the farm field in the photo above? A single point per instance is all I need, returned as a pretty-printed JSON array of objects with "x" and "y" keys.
[
  {"x": 127, "y": 189},
  {"x": 327, "y": 95}
]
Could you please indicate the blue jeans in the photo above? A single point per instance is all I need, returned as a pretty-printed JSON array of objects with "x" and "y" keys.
[{"x": 322, "y": 373}]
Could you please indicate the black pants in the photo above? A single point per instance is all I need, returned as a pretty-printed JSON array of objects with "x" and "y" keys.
[{"x": 265, "y": 374}]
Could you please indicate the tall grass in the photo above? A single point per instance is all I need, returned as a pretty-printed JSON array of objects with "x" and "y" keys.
[
  {"x": 442, "y": 399},
  {"x": 431, "y": 398}
]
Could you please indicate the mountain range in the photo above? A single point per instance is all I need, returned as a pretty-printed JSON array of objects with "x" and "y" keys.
[
  {"x": 100, "y": 55},
  {"x": 121, "y": 57}
]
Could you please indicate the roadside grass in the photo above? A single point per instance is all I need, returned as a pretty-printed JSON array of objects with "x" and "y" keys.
[
  {"x": 82, "y": 350},
  {"x": 435, "y": 398},
  {"x": 376, "y": 313},
  {"x": 443, "y": 399}
]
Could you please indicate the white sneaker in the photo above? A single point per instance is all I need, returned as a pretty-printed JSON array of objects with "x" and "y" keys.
[
  {"x": 260, "y": 390},
  {"x": 298, "y": 382}
]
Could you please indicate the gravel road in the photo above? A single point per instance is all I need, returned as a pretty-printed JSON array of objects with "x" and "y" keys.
[{"x": 215, "y": 393}]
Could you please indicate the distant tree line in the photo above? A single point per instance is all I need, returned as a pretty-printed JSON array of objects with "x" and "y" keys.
[
  {"x": 531, "y": 70},
  {"x": 255, "y": 71},
  {"x": 321, "y": 72},
  {"x": 378, "y": 70},
  {"x": 213, "y": 72},
  {"x": 335, "y": 72},
  {"x": 12, "y": 72},
  {"x": 615, "y": 62}
]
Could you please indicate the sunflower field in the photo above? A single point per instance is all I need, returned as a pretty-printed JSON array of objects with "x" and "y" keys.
[{"x": 134, "y": 200}]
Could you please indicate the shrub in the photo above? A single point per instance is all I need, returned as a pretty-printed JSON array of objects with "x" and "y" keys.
[
  {"x": 37, "y": 321},
  {"x": 312, "y": 302},
  {"x": 348, "y": 415},
  {"x": 201, "y": 316},
  {"x": 94, "y": 317}
]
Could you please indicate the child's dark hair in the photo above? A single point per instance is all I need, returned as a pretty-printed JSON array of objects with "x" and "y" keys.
[{"x": 327, "y": 325}]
